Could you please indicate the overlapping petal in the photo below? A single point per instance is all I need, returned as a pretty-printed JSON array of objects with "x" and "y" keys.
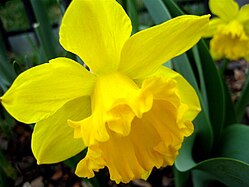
[
  {"x": 224, "y": 46},
  {"x": 244, "y": 18},
  {"x": 230, "y": 41},
  {"x": 160, "y": 137},
  {"x": 185, "y": 91},
  {"x": 244, "y": 14},
  {"x": 96, "y": 32},
  {"x": 115, "y": 102},
  {"x": 225, "y": 9},
  {"x": 145, "y": 51},
  {"x": 52, "y": 138},
  {"x": 40, "y": 91},
  {"x": 214, "y": 24}
]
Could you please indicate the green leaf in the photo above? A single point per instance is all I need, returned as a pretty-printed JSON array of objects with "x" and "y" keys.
[
  {"x": 229, "y": 171},
  {"x": 6, "y": 123},
  {"x": 230, "y": 116},
  {"x": 201, "y": 178},
  {"x": 234, "y": 142},
  {"x": 180, "y": 178},
  {"x": 7, "y": 72},
  {"x": 157, "y": 10},
  {"x": 202, "y": 123},
  {"x": 133, "y": 14},
  {"x": 44, "y": 30},
  {"x": 184, "y": 160},
  {"x": 213, "y": 87},
  {"x": 243, "y": 101},
  {"x": 173, "y": 8},
  {"x": 197, "y": 60}
]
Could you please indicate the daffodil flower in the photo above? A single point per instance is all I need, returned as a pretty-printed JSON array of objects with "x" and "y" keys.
[
  {"x": 130, "y": 111},
  {"x": 230, "y": 30}
]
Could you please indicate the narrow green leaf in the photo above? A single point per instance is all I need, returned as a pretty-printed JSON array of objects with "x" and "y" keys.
[
  {"x": 180, "y": 178},
  {"x": 157, "y": 10},
  {"x": 243, "y": 100},
  {"x": 234, "y": 142},
  {"x": 213, "y": 87},
  {"x": 182, "y": 65},
  {"x": 198, "y": 64},
  {"x": 44, "y": 30},
  {"x": 229, "y": 171},
  {"x": 6, "y": 122},
  {"x": 201, "y": 179},
  {"x": 230, "y": 116},
  {"x": 7, "y": 73},
  {"x": 133, "y": 14},
  {"x": 202, "y": 123},
  {"x": 184, "y": 160},
  {"x": 173, "y": 8}
]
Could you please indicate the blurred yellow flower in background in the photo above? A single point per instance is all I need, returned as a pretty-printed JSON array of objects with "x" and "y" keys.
[
  {"x": 230, "y": 30},
  {"x": 131, "y": 112}
]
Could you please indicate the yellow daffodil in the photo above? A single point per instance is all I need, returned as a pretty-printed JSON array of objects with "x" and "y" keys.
[
  {"x": 131, "y": 112},
  {"x": 230, "y": 30}
]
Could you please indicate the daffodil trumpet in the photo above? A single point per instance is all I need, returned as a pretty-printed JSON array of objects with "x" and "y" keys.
[{"x": 229, "y": 30}]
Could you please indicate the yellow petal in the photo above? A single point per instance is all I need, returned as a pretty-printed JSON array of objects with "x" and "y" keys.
[
  {"x": 92, "y": 162},
  {"x": 154, "y": 139},
  {"x": 244, "y": 18},
  {"x": 225, "y": 9},
  {"x": 40, "y": 91},
  {"x": 185, "y": 91},
  {"x": 96, "y": 32},
  {"x": 52, "y": 138},
  {"x": 213, "y": 26},
  {"x": 244, "y": 13},
  {"x": 145, "y": 51},
  {"x": 230, "y": 41},
  {"x": 152, "y": 142},
  {"x": 115, "y": 102}
]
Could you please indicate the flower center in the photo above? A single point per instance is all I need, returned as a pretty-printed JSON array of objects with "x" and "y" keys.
[{"x": 116, "y": 100}]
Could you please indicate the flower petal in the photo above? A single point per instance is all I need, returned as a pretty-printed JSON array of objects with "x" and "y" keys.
[
  {"x": 185, "y": 91},
  {"x": 230, "y": 41},
  {"x": 244, "y": 13},
  {"x": 115, "y": 102},
  {"x": 96, "y": 32},
  {"x": 40, "y": 91},
  {"x": 154, "y": 139},
  {"x": 153, "y": 142},
  {"x": 244, "y": 17},
  {"x": 145, "y": 51},
  {"x": 52, "y": 138},
  {"x": 225, "y": 9},
  {"x": 214, "y": 23}
]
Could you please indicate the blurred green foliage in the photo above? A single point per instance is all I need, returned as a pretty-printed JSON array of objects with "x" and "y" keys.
[{"x": 14, "y": 17}]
